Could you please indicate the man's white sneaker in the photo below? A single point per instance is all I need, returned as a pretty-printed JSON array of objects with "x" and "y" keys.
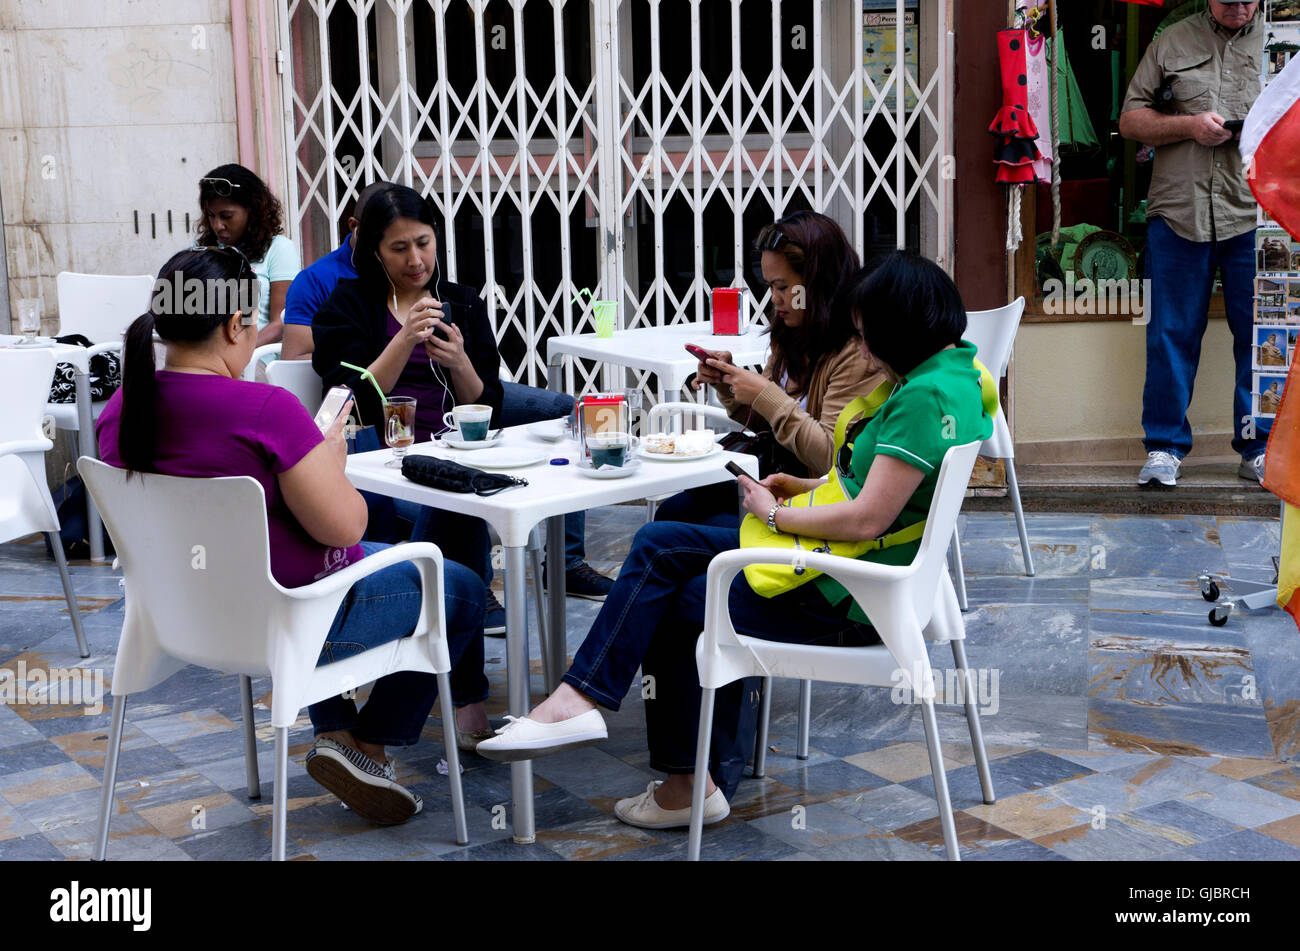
[
  {"x": 1252, "y": 469},
  {"x": 643, "y": 812},
  {"x": 522, "y": 738},
  {"x": 1160, "y": 471}
]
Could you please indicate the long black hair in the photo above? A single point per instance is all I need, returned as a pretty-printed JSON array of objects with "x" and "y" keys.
[
  {"x": 909, "y": 308},
  {"x": 816, "y": 249},
  {"x": 197, "y": 291},
  {"x": 265, "y": 213},
  {"x": 381, "y": 209}
]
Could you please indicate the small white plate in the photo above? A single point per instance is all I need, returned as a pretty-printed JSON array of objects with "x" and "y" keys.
[
  {"x": 508, "y": 457},
  {"x": 473, "y": 443},
  {"x": 550, "y": 430},
  {"x": 669, "y": 457},
  {"x": 609, "y": 472},
  {"x": 40, "y": 343}
]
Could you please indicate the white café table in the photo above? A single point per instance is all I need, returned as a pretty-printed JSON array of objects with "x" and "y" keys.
[
  {"x": 661, "y": 350},
  {"x": 79, "y": 357},
  {"x": 552, "y": 492}
]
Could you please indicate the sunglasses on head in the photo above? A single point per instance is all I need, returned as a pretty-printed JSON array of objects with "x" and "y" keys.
[{"x": 220, "y": 186}]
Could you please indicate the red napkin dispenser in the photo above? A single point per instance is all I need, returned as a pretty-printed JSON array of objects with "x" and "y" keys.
[{"x": 730, "y": 311}]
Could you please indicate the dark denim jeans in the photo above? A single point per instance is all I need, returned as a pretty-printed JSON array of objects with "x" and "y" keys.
[
  {"x": 1182, "y": 279},
  {"x": 717, "y": 504},
  {"x": 652, "y": 620},
  {"x": 384, "y": 607}
]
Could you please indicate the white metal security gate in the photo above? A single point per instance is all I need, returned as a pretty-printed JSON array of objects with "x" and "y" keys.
[{"x": 629, "y": 147}]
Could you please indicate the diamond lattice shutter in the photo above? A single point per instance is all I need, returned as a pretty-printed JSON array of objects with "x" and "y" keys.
[{"x": 628, "y": 147}]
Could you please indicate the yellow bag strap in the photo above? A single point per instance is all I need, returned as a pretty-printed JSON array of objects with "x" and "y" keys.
[
  {"x": 900, "y": 537},
  {"x": 867, "y": 405},
  {"x": 988, "y": 389}
]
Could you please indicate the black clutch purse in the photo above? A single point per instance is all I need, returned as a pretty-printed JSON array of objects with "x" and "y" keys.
[{"x": 453, "y": 477}]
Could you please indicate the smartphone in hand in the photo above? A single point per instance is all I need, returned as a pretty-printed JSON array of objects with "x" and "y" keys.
[
  {"x": 698, "y": 352},
  {"x": 735, "y": 469},
  {"x": 332, "y": 406}
]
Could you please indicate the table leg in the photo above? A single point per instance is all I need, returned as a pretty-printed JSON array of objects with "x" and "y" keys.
[
  {"x": 555, "y": 595},
  {"x": 517, "y": 688},
  {"x": 555, "y": 375},
  {"x": 87, "y": 447}
]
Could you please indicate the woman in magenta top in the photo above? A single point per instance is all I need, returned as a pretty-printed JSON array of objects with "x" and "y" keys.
[{"x": 195, "y": 417}]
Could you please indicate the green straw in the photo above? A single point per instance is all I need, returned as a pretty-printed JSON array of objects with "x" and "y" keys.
[
  {"x": 585, "y": 290},
  {"x": 367, "y": 375}
]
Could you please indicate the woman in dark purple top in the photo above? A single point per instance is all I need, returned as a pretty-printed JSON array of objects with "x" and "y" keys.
[
  {"x": 418, "y": 335},
  {"x": 195, "y": 417}
]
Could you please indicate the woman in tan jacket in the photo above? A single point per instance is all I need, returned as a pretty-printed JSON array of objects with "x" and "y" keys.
[{"x": 815, "y": 368}]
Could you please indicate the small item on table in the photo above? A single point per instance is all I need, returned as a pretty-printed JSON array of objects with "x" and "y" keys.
[
  {"x": 730, "y": 311},
  {"x": 694, "y": 442}
]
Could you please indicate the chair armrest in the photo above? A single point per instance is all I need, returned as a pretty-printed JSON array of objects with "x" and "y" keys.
[
  {"x": 347, "y": 577},
  {"x": 880, "y": 591},
  {"x": 664, "y": 410},
  {"x": 114, "y": 346},
  {"x": 19, "y": 446},
  {"x": 427, "y": 559}
]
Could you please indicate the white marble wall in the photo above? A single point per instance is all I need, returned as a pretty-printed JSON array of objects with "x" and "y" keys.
[{"x": 107, "y": 108}]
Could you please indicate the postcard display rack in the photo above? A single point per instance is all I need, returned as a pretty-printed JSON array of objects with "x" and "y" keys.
[{"x": 1276, "y": 331}]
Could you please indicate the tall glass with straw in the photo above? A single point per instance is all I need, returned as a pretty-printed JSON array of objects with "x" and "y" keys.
[{"x": 399, "y": 418}]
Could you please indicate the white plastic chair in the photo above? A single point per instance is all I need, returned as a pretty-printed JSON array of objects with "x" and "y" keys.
[
  {"x": 907, "y": 604},
  {"x": 671, "y": 418},
  {"x": 271, "y": 350},
  {"x": 25, "y": 503},
  {"x": 994, "y": 332},
  {"x": 100, "y": 307},
  {"x": 298, "y": 377},
  {"x": 187, "y": 545}
]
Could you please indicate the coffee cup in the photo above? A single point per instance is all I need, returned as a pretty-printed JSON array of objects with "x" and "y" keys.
[
  {"x": 471, "y": 419},
  {"x": 610, "y": 449}
]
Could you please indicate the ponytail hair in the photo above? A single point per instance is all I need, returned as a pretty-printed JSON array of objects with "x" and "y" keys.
[{"x": 197, "y": 291}]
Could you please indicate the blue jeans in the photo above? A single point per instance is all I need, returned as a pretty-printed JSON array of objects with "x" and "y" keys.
[
  {"x": 1182, "y": 279},
  {"x": 716, "y": 504},
  {"x": 652, "y": 620},
  {"x": 384, "y": 607}
]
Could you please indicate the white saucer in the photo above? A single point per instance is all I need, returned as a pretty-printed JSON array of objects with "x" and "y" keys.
[
  {"x": 609, "y": 472},
  {"x": 509, "y": 457},
  {"x": 670, "y": 457},
  {"x": 473, "y": 443},
  {"x": 40, "y": 343},
  {"x": 549, "y": 430}
]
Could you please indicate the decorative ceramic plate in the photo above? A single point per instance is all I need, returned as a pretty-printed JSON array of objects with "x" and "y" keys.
[{"x": 1105, "y": 256}]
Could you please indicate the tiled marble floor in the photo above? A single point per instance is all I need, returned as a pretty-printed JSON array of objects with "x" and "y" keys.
[{"x": 1125, "y": 728}]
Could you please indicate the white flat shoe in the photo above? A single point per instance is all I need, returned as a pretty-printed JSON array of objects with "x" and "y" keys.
[
  {"x": 522, "y": 738},
  {"x": 643, "y": 812}
]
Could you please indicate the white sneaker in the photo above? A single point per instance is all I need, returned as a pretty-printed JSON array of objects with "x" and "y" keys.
[
  {"x": 522, "y": 738},
  {"x": 1160, "y": 471},
  {"x": 1252, "y": 468},
  {"x": 643, "y": 812}
]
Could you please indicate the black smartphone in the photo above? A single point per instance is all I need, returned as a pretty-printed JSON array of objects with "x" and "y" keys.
[
  {"x": 735, "y": 469},
  {"x": 1234, "y": 125}
]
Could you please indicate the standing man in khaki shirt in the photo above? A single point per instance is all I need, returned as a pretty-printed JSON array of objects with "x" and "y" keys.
[{"x": 1200, "y": 219}]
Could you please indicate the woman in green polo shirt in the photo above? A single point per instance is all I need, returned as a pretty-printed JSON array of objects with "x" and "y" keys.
[{"x": 911, "y": 319}]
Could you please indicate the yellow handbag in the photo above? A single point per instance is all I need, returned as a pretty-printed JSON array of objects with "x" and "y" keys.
[{"x": 768, "y": 581}]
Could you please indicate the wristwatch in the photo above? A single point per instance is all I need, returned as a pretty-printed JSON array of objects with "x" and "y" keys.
[{"x": 771, "y": 517}]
